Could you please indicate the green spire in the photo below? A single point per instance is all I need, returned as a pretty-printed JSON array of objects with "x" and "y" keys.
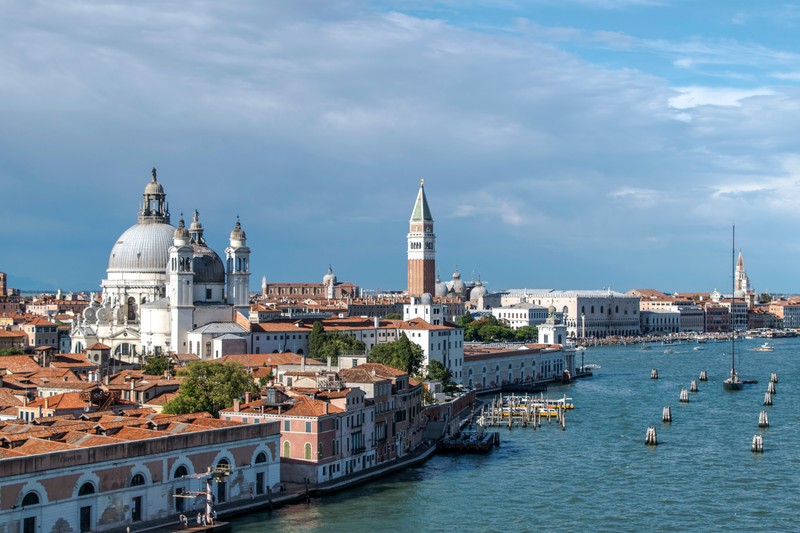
[{"x": 421, "y": 213}]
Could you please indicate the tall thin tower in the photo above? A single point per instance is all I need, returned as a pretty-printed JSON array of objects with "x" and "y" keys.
[{"x": 421, "y": 247}]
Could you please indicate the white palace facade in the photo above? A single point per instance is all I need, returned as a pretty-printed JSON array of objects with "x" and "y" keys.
[{"x": 167, "y": 291}]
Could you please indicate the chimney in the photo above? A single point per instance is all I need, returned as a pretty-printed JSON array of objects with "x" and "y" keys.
[
  {"x": 377, "y": 322},
  {"x": 303, "y": 363},
  {"x": 236, "y": 405},
  {"x": 325, "y": 408},
  {"x": 247, "y": 397},
  {"x": 329, "y": 364},
  {"x": 46, "y": 402}
]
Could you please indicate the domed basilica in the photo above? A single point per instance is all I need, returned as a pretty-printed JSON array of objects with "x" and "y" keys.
[{"x": 167, "y": 291}]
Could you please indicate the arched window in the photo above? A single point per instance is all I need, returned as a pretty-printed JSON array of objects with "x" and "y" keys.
[
  {"x": 137, "y": 480},
  {"x": 592, "y": 309},
  {"x": 287, "y": 449},
  {"x": 181, "y": 471},
  {"x": 131, "y": 308},
  {"x": 307, "y": 451},
  {"x": 30, "y": 499},
  {"x": 86, "y": 488},
  {"x": 223, "y": 464},
  {"x": 261, "y": 458}
]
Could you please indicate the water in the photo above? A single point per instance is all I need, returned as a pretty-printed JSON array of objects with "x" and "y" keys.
[{"x": 599, "y": 475}]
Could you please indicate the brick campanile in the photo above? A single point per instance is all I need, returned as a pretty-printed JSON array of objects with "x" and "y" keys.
[{"x": 421, "y": 247}]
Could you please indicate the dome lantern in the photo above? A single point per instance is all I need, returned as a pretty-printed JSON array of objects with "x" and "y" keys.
[{"x": 154, "y": 207}]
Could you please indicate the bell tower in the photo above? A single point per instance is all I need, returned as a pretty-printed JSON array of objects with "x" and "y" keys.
[
  {"x": 181, "y": 288},
  {"x": 421, "y": 247},
  {"x": 238, "y": 270}
]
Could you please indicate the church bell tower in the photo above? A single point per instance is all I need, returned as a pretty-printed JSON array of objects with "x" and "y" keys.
[
  {"x": 238, "y": 266},
  {"x": 181, "y": 288},
  {"x": 421, "y": 247}
]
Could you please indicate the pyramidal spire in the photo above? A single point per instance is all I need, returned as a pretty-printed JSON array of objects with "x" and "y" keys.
[
  {"x": 740, "y": 261},
  {"x": 421, "y": 210}
]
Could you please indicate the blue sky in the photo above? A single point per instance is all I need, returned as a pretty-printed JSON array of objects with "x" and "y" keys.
[{"x": 564, "y": 143}]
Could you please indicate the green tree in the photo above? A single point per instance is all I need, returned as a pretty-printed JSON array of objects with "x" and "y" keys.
[
  {"x": 464, "y": 321},
  {"x": 11, "y": 351},
  {"x": 437, "y": 371},
  {"x": 394, "y": 316},
  {"x": 330, "y": 345},
  {"x": 316, "y": 339},
  {"x": 210, "y": 386},
  {"x": 527, "y": 334},
  {"x": 764, "y": 298},
  {"x": 156, "y": 365},
  {"x": 401, "y": 354}
]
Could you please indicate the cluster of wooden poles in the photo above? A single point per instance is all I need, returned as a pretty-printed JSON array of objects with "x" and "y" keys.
[
  {"x": 651, "y": 437},
  {"x": 763, "y": 418}
]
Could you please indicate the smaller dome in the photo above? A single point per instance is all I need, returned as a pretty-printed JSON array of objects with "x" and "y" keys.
[
  {"x": 181, "y": 232},
  {"x": 329, "y": 278},
  {"x": 207, "y": 266},
  {"x": 426, "y": 298},
  {"x": 551, "y": 311},
  {"x": 440, "y": 288},
  {"x": 456, "y": 275},
  {"x": 238, "y": 233}
]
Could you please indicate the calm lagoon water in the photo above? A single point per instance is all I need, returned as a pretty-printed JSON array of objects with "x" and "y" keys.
[{"x": 598, "y": 475}]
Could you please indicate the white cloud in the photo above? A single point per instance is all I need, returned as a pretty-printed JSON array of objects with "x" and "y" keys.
[{"x": 690, "y": 97}]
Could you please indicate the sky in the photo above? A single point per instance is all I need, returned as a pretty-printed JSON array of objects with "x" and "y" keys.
[{"x": 568, "y": 144}]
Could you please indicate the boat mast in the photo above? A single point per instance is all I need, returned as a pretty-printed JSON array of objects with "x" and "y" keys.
[{"x": 733, "y": 299}]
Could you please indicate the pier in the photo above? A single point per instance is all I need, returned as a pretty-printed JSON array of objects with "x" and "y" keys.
[{"x": 524, "y": 411}]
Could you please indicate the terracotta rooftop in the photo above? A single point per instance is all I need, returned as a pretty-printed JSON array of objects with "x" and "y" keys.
[{"x": 98, "y": 346}]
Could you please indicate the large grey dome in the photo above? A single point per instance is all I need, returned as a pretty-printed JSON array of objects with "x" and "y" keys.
[
  {"x": 477, "y": 291},
  {"x": 142, "y": 248},
  {"x": 207, "y": 265}
]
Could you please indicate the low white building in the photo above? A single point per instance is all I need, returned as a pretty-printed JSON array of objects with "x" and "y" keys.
[
  {"x": 521, "y": 315},
  {"x": 486, "y": 367},
  {"x": 661, "y": 322}
]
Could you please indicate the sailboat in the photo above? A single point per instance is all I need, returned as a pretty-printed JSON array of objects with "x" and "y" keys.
[{"x": 733, "y": 381}]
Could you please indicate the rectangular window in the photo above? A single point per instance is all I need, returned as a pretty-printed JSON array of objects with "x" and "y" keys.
[
  {"x": 208, "y": 294},
  {"x": 287, "y": 425},
  {"x": 308, "y": 427}
]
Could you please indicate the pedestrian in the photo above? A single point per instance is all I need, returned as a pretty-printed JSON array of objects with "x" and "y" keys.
[
  {"x": 199, "y": 519},
  {"x": 183, "y": 520}
]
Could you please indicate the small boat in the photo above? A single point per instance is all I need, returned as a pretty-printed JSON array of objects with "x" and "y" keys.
[
  {"x": 696, "y": 348},
  {"x": 764, "y": 348},
  {"x": 669, "y": 351},
  {"x": 549, "y": 412}
]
